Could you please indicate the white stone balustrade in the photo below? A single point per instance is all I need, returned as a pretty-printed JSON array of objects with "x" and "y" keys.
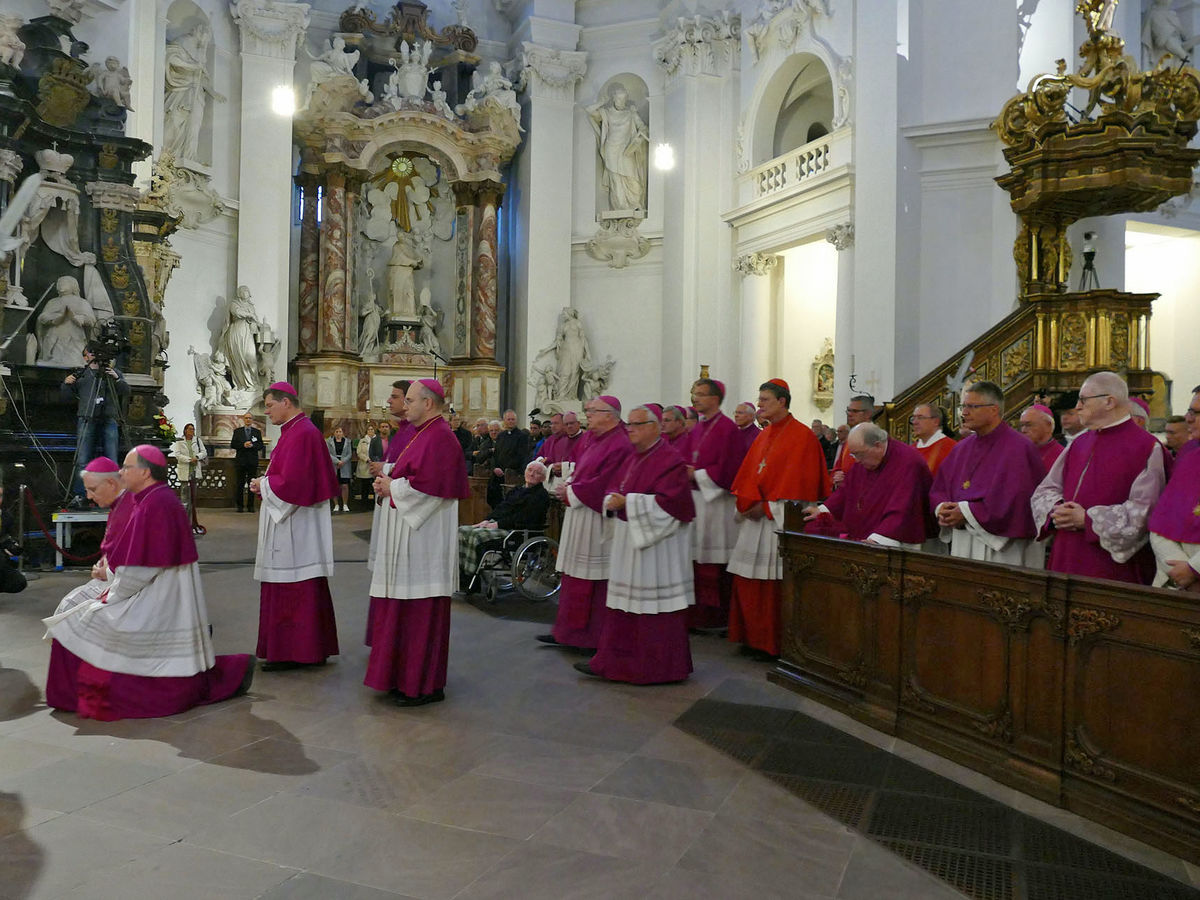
[{"x": 793, "y": 171}]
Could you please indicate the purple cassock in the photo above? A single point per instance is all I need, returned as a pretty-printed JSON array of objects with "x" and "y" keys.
[
  {"x": 398, "y": 441},
  {"x": 890, "y": 501},
  {"x": 1116, "y": 474},
  {"x": 1187, "y": 448},
  {"x": 409, "y": 636},
  {"x": 1050, "y": 451},
  {"x": 296, "y": 621},
  {"x": 571, "y": 448},
  {"x": 551, "y": 448},
  {"x": 1176, "y": 515},
  {"x": 156, "y": 535},
  {"x": 715, "y": 448},
  {"x": 583, "y": 550},
  {"x": 747, "y": 433},
  {"x": 645, "y": 635},
  {"x": 996, "y": 474}
]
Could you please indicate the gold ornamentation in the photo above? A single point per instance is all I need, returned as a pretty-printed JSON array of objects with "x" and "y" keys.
[
  {"x": 110, "y": 253},
  {"x": 796, "y": 563},
  {"x": 130, "y": 306},
  {"x": 1072, "y": 342},
  {"x": 1085, "y": 622},
  {"x": 109, "y": 220},
  {"x": 1015, "y": 360},
  {"x": 865, "y": 579},
  {"x": 137, "y": 334},
  {"x": 62, "y": 92},
  {"x": 137, "y": 407},
  {"x": 1078, "y": 758},
  {"x": 107, "y": 157},
  {"x": 1013, "y": 610},
  {"x": 119, "y": 276},
  {"x": 1119, "y": 341},
  {"x": 912, "y": 588}
]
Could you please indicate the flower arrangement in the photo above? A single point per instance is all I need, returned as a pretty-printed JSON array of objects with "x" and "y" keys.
[{"x": 166, "y": 431}]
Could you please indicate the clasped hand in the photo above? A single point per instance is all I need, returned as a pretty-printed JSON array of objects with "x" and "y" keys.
[
  {"x": 614, "y": 502},
  {"x": 1069, "y": 516},
  {"x": 949, "y": 515}
]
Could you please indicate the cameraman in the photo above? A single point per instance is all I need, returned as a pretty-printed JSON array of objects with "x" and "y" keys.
[
  {"x": 97, "y": 410},
  {"x": 11, "y": 580}
]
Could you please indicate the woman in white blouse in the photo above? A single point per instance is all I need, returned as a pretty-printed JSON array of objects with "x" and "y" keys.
[{"x": 189, "y": 453}]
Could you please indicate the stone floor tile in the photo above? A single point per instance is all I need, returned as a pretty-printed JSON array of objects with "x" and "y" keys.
[
  {"x": 77, "y": 781},
  {"x": 307, "y": 886},
  {"x": 539, "y": 872},
  {"x": 667, "y": 781},
  {"x": 494, "y": 805},
  {"x": 633, "y": 829}
]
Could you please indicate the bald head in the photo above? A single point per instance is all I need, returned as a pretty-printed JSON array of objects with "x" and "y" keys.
[
  {"x": 867, "y": 443},
  {"x": 1103, "y": 400},
  {"x": 1037, "y": 425}
]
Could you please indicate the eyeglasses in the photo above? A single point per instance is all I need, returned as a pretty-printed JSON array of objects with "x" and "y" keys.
[
  {"x": 638, "y": 424},
  {"x": 1083, "y": 399},
  {"x": 976, "y": 405},
  {"x": 915, "y": 418},
  {"x": 850, "y": 409},
  {"x": 859, "y": 454}
]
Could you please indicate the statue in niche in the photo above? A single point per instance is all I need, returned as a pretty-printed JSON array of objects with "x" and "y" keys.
[
  {"x": 622, "y": 140},
  {"x": 63, "y": 326},
  {"x": 431, "y": 321},
  {"x": 239, "y": 341},
  {"x": 368, "y": 330},
  {"x": 401, "y": 265},
  {"x": 1163, "y": 34},
  {"x": 495, "y": 87},
  {"x": 111, "y": 82},
  {"x": 564, "y": 371},
  {"x": 12, "y": 48},
  {"x": 188, "y": 85}
]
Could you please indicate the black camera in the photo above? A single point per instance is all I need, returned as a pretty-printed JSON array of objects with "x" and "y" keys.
[
  {"x": 10, "y": 546},
  {"x": 109, "y": 343}
]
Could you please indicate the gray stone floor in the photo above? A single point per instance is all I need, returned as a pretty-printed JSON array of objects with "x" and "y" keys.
[{"x": 530, "y": 781}]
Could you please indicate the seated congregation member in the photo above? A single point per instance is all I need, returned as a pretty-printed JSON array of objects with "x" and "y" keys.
[
  {"x": 981, "y": 492},
  {"x": 884, "y": 499},
  {"x": 931, "y": 441},
  {"x": 1174, "y": 526},
  {"x": 1037, "y": 424},
  {"x": 141, "y": 649},
  {"x": 645, "y": 634},
  {"x": 785, "y": 462},
  {"x": 584, "y": 546},
  {"x": 296, "y": 624},
  {"x": 1098, "y": 496},
  {"x": 523, "y": 508},
  {"x": 408, "y": 624},
  {"x": 713, "y": 453},
  {"x": 101, "y": 480}
]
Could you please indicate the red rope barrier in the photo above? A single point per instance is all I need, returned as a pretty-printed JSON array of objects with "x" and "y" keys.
[{"x": 53, "y": 543}]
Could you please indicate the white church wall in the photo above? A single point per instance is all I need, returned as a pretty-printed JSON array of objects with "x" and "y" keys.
[
  {"x": 1166, "y": 261},
  {"x": 805, "y": 317}
]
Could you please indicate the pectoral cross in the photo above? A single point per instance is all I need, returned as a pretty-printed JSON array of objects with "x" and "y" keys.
[
  {"x": 966, "y": 484},
  {"x": 762, "y": 465},
  {"x": 1196, "y": 511}
]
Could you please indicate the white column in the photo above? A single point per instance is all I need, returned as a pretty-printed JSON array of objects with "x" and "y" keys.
[
  {"x": 541, "y": 270},
  {"x": 269, "y": 32},
  {"x": 700, "y": 58},
  {"x": 757, "y": 272},
  {"x": 842, "y": 237}
]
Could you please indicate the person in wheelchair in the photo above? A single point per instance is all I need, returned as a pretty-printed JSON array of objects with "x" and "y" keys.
[{"x": 523, "y": 509}]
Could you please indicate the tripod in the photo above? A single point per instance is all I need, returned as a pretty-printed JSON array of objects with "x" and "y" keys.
[
  {"x": 103, "y": 388},
  {"x": 1088, "y": 279}
]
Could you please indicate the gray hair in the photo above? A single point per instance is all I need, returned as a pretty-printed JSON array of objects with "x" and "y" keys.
[
  {"x": 1109, "y": 383},
  {"x": 988, "y": 390},
  {"x": 934, "y": 410},
  {"x": 869, "y": 433}
]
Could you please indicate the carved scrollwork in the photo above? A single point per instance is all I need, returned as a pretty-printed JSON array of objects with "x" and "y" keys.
[
  {"x": 913, "y": 588},
  {"x": 912, "y": 695},
  {"x": 866, "y": 579},
  {"x": 1083, "y": 623},
  {"x": 796, "y": 563},
  {"x": 1013, "y": 610},
  {"x": 855, "y": 676},
  {"x": 1078, "y": 758},
  {"x": 1193, "y": 637},
  {"x": 999, "y": 727},
  {"x": 1191, "y": 804}
]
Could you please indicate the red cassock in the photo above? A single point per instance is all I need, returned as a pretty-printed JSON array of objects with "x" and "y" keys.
[
  {"x": 156, "y": 535},
  {"x": 295, "y": 620},
  {"x": 785, "y": 462},
  {"x": 890, "y": 501},
  {"x": 581, "y": 601},
  {"x": 936, "y": 452}
]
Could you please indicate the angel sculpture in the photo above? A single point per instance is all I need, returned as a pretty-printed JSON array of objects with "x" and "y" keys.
[
  {"x": 111, "y": 82},
  {"x": 431, "y": 321}
]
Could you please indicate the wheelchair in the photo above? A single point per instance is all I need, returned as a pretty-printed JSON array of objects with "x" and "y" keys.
[{"x": 526, "y": 560}]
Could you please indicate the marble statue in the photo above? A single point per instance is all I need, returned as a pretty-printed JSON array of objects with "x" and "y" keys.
[
  {"x": 564, "y": 371},
  {"x": 63, "y": 326},
  {"x": 188, "y": 87},
  {"x": 401, "y": 288},
  {"x": 335, "y": 62},
  {"x": 438, "y": 97},
  {"x": 1163, "y": 34},
  {"x": 368, "y": 330},
  {"x": 431, "y": 321},
  {"x": 67, "y": 10},
  {"x": 239, "y": 342},
  {"x": 212, "y": 379},
  {"x": 494, "y": 87},
  {"x": 111, "y": 82},
  {"x": 12, "y": 48},
  {"x": 622, "y": 141}
]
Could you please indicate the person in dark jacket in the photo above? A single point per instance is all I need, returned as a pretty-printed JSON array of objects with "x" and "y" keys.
[
  {"x": 524, "y": 508},
  {"x": 98, "y": 396},
  {"x": 509, "y": 458},
  {"x": 247, "y": 446}
]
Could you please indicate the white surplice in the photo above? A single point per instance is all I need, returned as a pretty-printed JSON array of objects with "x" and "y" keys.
[
  {"x": 295, "y": 543},
  {"x": 416, "y": 554},
  {"x": 715, "y": 530},
  {"x": 152, "y": 621},
  {"x": 756, "y": 553},
  {"x": 651, "y": 562},
  {"x": 585, "y": 545}
]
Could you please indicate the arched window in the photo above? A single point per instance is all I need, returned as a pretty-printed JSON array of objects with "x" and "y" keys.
[{"x": 806, "y": 112}]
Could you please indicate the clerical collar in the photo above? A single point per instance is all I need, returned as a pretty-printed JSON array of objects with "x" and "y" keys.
[
  {"x": 1071, "y": 437},
  {"x": 931, "y": 440},
  {"x": 291, "y": 420},
  {"x": 1120, "y": 421}
]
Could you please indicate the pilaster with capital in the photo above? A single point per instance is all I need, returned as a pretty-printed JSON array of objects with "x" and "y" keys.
[
  {"x": 841, "y": 236},
  {"x": 268, "y": 28},
  {"x": 548, "y": 73},
  {"x": 758, "y": 291},
  {"x": 701, "y": 45},
  {"x": 755, "y": 263}
]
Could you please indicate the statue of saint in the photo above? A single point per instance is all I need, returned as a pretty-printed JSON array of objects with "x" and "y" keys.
[
  {"x": 431, "y": 319},
  {"x": 188, "y": 84},
  {"x": 336, "y": 61},
  {"x": 63, "y": 326},
  {"x": 571, "y": 354},
  {"x": 401, "y": 265},
  {"x": 239, "y": 341},
  {"x": 368, "y": 330},
  {"x": 1163, "y": 34},
  {"x": 622, "y": 140}
]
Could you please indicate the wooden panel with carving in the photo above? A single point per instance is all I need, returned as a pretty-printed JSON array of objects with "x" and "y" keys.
[
  {"x": 1131, "y": 725},
  {"x": 833, "y": 629}
]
